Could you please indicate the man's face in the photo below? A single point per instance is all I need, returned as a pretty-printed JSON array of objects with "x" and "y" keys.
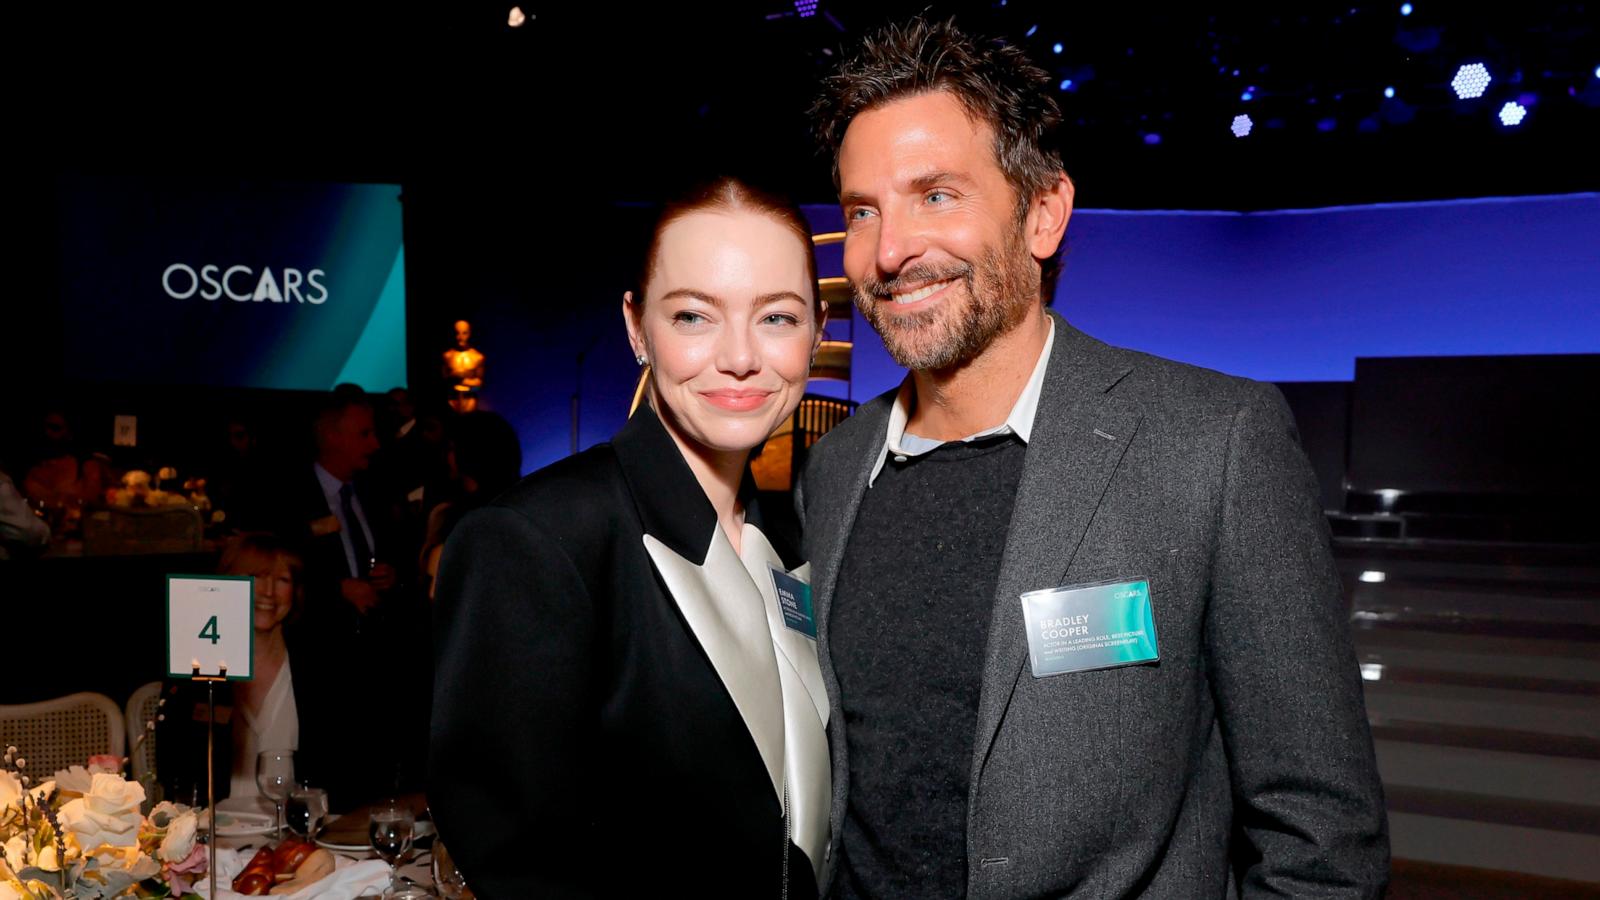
[
  {"x": 353, "y": 440},
  {"x": 932, "y": 244}
]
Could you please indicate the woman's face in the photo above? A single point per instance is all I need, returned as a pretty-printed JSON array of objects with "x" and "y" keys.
[
  {"x": 728, "y": 325},
  {"x": 275, "y": 585}
]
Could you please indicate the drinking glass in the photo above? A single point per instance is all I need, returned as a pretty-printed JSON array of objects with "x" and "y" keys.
[
  {"x": 275, "y": 778},
  {"x": 447, "y": 878},
  {"x": 306, "y": 809},
  {"x": 390, "y": 829}
]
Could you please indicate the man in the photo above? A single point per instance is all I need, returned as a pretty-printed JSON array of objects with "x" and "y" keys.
[
  {"x": 985, "y": 746},
  {"x": 362, "y": 630}
]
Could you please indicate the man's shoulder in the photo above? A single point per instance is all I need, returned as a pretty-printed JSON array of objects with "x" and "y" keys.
[
  {"x": 1161, "y": 385},
  {"x": 848, "y": 442}
]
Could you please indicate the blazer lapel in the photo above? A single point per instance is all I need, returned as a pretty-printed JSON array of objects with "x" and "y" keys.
[
  {"x": 805, "y": 708},
  {"x": 724, "y": 610},
  {"x": 1079, "y": 438},
  {"x": 707, "y": 581},
  {"x": 826, "y": 540}
]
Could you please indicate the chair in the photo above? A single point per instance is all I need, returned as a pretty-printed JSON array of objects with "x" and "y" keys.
[
  {"x": 142, "y": 707},
  {"x": 54, "y": 734},
  {"x": 122, "y": 532}
]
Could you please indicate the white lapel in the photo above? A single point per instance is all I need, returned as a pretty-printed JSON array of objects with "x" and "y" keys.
[
  {"x": 724, "y": 609},
  {"x": 805, "y": 707}
]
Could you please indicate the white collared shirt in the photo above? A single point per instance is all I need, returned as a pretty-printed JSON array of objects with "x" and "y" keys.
[
  {"x": 330, "y": 492},
  {"x": 1018, "y": 422}
]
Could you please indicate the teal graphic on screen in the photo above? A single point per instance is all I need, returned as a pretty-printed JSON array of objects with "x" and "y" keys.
[
  {"x": 1090, "y": 626},
  {"x": 290, "y": 285}
]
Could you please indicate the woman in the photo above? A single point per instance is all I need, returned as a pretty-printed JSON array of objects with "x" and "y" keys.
[
  {"x": 300, "y": 698},
  {"x": 260, "y": 714},
  {"x": 619, "y": 707}
]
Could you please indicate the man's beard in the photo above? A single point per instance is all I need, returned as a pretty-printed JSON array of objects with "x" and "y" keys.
[{"x": 1000, "y": 288}]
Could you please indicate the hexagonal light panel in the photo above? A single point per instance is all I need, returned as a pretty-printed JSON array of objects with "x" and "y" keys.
[
  {"x": 1242, "y": 125},
  {"x": 1512, "y": 113},
  {"x": 1471, "y": 81}
]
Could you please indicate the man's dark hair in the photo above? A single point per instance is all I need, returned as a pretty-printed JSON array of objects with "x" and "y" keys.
[{"x": 995, "y": 83}]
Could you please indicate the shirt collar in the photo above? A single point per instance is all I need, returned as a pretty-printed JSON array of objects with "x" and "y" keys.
[
  {"x": 330, "y": 484},
  {"x": 1018, "y": 422}
]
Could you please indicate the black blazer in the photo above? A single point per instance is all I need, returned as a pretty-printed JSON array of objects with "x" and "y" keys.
[{"x": 583, "y": 743}]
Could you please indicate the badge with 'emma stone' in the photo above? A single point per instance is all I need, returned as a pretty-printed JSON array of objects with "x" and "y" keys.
[
  {"x": 1089, "y": 626},
  {"x": 794, "y": 601}
]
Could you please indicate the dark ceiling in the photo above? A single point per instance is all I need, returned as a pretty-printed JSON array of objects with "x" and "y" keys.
[{"x": 590, "y": 102}]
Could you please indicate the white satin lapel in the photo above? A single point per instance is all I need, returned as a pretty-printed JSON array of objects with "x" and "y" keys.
[
  {"x": 805, "y": 708},
  {"x": 724, "y": 609}
]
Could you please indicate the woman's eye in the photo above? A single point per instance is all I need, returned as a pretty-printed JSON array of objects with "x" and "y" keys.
[
  {"x": 687, "y": 317},
  {"x": 781, "y": 319}
]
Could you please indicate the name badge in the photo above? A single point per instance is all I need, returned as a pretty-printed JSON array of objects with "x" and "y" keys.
[
  {"x": 794, "y": 601},
  {"x": 1089, "y": 626}
]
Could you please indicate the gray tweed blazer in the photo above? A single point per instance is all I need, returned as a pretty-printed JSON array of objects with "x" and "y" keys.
[{"x": 1240, "y": 764}]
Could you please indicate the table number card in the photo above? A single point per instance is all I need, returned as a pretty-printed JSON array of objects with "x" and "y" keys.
[{"x": 209, "y": 623}]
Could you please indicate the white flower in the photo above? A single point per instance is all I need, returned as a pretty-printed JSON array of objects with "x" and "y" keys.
[
  {"x": 162, "y": 814},
  {"x": 179, "y": 842},
  {"x": 107, "y": 814},
  {"x": 128, "y": 860},
  {"x": 15, "y": 849},
  {"x": 10, "y": 789},
  {"x": 74, "y": 780}
]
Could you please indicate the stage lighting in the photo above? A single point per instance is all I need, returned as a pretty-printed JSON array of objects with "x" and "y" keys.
[
  {"x": 1057, "y": 48},
  {"x": 1405, "y": 9},
  {"x": 1512, "y": 113},
  {"x": 1371, "y": 576},
  {"x": 806, "y": 8},
  {"x": 1247, "y": 96},
  {"x": 1372, "y": 671},
  {"x": 517, "y": 17},
  {"x": 1388, "y": 93},
  {"x": 1152, "y": 139},
  {"x": 1031, "y": 31},
  {"x": 1471, "y": 81},
  {"x": 1242, "y": 125},
  {"x": 1066, "y": 84}
]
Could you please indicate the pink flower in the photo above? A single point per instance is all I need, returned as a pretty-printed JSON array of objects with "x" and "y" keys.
[
  {"x": 193, "y": 864},
  {"x": 105, "y": 762}
]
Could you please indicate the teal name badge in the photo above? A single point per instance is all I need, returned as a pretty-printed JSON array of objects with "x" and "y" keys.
[
  {"x": 1089, "y": 626},
  {"x": 794, "y": 601}
]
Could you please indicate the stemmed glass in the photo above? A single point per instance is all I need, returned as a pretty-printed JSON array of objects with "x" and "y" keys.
[
  {"x": 307, "y": 807},
  {"x": 447, "y": 879},
  {"x": 391, "y": 829},
  {"x": 275, "y": 778}
]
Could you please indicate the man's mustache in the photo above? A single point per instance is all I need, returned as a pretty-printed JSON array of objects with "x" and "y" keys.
[{"x": 874, "y": 289}]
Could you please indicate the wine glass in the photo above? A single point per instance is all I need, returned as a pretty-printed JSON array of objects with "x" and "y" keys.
[
  {"x": 447, "y": 879},
  {"x": 390, "y": 829},
  {"x": 275, "y": 778},
  {"x": 306, "y": 809}
]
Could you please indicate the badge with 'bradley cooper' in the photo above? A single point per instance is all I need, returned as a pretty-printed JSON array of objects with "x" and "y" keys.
[{"x": 1089, "y": 626}]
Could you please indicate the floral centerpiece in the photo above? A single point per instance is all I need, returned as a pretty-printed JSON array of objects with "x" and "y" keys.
[{"x": 82, "y": 835}]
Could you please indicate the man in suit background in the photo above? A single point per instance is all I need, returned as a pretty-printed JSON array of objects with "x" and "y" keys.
[
  {"x": 1022, "y": 455},
  {"x": 363, "y": 631}
]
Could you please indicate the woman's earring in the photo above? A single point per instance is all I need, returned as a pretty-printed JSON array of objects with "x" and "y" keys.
[{"x": 640, "y": 359}]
